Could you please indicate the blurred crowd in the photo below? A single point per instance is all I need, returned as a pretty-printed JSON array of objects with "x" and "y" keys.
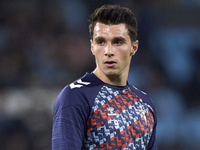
[{"x": 44, "y": 45}]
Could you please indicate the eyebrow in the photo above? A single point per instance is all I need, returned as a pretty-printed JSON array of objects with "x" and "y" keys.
[
  {"x": 114, "y": 39},
  {"x": 119, "y": 39},
  {"x": 99, "y": 38}
]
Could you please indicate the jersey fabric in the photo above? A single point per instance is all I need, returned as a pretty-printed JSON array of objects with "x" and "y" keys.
[{"x": 92, "y": 115}]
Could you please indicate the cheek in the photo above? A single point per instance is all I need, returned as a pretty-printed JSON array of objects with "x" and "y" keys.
[
  {"x": 125, "y": 59},
  {"x": 125, "y": 56},
  {"x": 98, "y": 54}
]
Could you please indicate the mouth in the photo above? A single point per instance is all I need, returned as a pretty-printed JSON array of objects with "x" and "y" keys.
[{"x": 110, "y": 64}]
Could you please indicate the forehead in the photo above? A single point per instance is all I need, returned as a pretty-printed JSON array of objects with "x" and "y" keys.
[{"x": 103, "y": 30}]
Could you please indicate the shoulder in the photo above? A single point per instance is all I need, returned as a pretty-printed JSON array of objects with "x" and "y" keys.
[
  {"x": 144, "y": 96},
  {"x": 79, "y": 92}
]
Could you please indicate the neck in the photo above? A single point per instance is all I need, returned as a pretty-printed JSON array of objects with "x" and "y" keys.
[{"x": 117, "y": 80}]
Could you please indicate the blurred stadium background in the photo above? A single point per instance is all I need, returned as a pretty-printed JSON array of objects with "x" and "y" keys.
[{"x": 44, "y": 45}]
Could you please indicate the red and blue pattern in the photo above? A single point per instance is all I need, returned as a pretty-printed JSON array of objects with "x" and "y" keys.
[{"x": 120, "y": 120}]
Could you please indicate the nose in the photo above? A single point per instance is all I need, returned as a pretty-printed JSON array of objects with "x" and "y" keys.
[{"x": 109, "y": 50}]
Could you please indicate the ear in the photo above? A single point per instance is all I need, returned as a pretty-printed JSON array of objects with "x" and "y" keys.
[
  {"x": 91, "y": 45},
  {"x": 134, "y": 47}
]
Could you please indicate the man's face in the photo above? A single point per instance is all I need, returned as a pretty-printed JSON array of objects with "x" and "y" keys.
[{"x": 112, "y": 48}]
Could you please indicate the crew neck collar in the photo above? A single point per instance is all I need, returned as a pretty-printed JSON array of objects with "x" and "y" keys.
[{"x": 110, "y": 85}]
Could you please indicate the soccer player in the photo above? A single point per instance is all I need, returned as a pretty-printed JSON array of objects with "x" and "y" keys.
[{"x": 101, "y": 110}]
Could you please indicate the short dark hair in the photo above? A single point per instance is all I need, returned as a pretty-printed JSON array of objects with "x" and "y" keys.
[{"x": 112, "y": 15}]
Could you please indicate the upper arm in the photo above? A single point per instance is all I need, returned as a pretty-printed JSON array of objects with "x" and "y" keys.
[
  {"x": 69, "y": 126},
  {"x": 152, "y": 143},
  {"x": 69, "y": 120}
]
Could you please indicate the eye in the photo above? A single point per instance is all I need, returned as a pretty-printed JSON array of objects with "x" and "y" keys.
[
  {"x": 118, "y": 42},
  {"x": 100, "y": 42}
]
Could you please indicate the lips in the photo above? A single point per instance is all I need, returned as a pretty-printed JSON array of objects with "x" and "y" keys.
[{"x": 110, "y": 63}]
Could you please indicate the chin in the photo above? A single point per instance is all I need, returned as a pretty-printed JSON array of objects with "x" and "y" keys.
[{"x": 111, "y": 73}]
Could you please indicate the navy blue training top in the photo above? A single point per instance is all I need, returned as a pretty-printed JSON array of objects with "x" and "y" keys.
[{"x": 91, "y": 115}]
